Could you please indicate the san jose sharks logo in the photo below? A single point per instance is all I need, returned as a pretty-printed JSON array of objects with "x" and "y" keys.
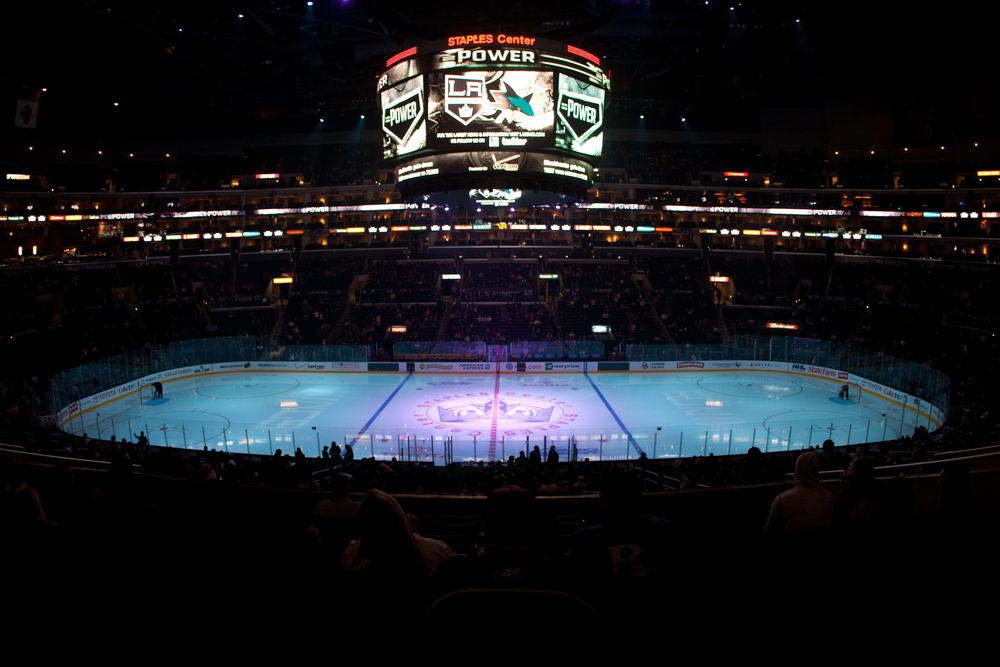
[{"x": 507, "y": 101}]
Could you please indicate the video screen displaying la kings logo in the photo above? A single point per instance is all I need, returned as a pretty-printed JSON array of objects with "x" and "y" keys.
[{"x": 511, "y": 109}]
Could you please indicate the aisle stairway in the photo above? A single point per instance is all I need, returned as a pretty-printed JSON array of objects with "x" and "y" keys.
[{"x": 442, "y": 331}]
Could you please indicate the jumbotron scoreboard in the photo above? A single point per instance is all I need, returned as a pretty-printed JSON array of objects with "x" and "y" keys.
[{"x": 492, "y": 110}]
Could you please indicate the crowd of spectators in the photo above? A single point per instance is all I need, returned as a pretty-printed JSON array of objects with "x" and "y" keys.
[
  {"x": 391, "y": 281},
  {"x": 616, "y": 276},
  {"x": 498, "y": 325},
  {"x": 625, "y": 312},
  {"x": 370, "y": 323}
]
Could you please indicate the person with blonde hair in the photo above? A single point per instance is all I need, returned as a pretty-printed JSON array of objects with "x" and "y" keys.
[
  {"x": 388, "y": 544},
  {"x": 806, "y": 506}
]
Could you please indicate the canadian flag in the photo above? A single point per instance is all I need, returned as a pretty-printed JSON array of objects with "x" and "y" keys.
[{"x": 26, "y": 114}]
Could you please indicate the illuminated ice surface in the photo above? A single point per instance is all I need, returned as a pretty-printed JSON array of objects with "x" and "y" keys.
[{"x": 611, "y": 415}]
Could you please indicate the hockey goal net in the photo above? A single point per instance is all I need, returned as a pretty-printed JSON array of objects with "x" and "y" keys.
[
  {"x": 148, "y": 392},
  {"x": 854, "y": 392}
]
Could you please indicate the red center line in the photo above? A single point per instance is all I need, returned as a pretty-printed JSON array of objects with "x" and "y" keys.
[{"x": 495, "y": 415}]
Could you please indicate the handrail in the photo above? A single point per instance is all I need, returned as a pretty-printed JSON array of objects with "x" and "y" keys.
[
  {"x": 53, "y": 459},
  {"x": 659, "y": 478},
  {"x": 963, "y": 451},
  {"x": 893, "y": 470}
]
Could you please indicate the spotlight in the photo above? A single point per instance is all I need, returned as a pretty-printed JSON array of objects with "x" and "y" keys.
[{"x": 321, "y": 120}]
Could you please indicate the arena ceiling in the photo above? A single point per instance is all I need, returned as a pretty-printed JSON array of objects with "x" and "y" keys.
[{"x": 195, "y": 68}]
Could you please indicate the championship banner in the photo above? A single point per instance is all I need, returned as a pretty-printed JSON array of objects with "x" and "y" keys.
[{"x": 26, "y": 114}]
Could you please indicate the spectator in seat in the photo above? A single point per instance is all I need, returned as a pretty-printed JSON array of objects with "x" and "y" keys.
[
  {"x": 337, "y": 518},
  {"x": 831, "y": 459},
  {"x": 858, "y": 505},
  {"x": 959, "y": 507},
  {"x": 388, "y": 544},
  {"x": 20, "y": 505},
  {"x": 627, "y": 543},
  {"x": 336, "y": 459},
  {"x": 806, "y": 506},
  {"x": 340, "y": 507},
  {"x": 512, "y": 553}
]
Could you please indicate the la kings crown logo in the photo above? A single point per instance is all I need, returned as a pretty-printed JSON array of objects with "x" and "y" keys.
[
  {"x": 403, "y": 115},
  {"x": 464, "y": 98},
  {"x": 582, "y": 114}
]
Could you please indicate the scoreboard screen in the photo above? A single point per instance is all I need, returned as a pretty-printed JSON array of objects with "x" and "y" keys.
[
  {"x": 490, "y": 109},
  {"x": 493, "y": 102},
  {"x": 580, "y": 110},
  {"x": 404, "y": 126}
]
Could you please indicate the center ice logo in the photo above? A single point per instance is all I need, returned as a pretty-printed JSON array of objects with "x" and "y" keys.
[
  {"x": 507, "y": 411},
  {"x": 515, "y": 413}
]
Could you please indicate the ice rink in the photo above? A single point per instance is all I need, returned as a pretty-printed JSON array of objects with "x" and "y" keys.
[{"x": 492, "y": 416}]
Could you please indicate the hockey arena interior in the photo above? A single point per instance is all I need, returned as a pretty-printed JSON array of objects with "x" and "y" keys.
[{"x": 410, "y": 320}]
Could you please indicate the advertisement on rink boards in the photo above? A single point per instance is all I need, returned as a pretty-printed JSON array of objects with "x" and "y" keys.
[
  {"x": 698, "y": 365},
  {"x": 879, "y": 389},
  {"x": 299, "y": 366},
  {"x": 555, "y": 366},
  {"x": 455, "y": 367},
  {"x": 107, "y": 395},
  {"x": 231, "y": 367}
]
